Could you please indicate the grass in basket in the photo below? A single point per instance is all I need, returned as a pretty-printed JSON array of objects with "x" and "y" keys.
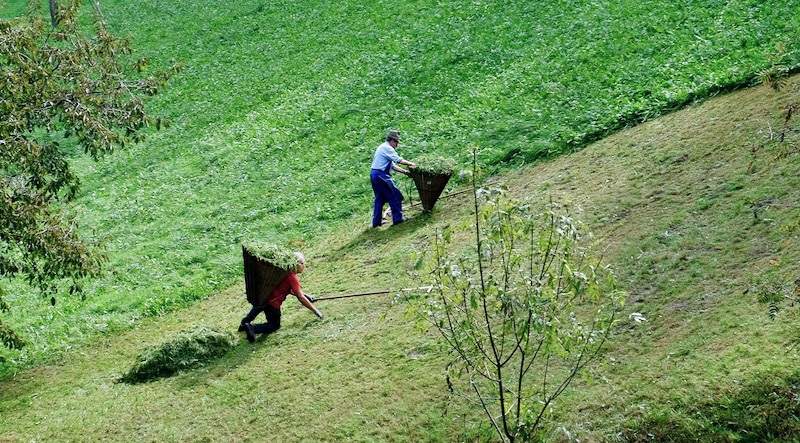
[
  {"x": 268, "y": 252},
  {"x": 434, "y": 165}
]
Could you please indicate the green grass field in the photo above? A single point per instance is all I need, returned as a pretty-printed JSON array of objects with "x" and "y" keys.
[
  {"x": 669, "y": 198},
  {"x": 275, "y": 119}
]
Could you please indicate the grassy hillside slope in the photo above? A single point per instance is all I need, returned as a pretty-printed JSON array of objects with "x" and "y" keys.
[
  {"x": 282, "y": 103},
  {"x": 671, "y": 199}
]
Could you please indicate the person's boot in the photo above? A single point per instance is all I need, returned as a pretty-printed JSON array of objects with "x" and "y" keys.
[
  {"x": 242, "y": 328},
  {"x": 251, "y": 333}
]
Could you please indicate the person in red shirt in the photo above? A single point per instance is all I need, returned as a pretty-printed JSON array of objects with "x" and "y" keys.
[{"x": 272, "y": 309}]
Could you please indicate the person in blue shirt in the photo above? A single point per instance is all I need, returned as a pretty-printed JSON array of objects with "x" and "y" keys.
[{"x": 384, "y": 162}]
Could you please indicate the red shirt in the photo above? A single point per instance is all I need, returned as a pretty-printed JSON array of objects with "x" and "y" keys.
[{"x": 289, "y": 285}]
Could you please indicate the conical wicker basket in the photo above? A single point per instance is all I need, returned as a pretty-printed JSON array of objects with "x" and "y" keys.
[
  {"x": 260, "y": 278},
  {"x": 429, "y": 186}
]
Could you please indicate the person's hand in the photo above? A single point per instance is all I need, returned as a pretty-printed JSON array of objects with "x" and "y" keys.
[
  {"x": 310, "y": 297},
  {"x": 318, "y": 313}
]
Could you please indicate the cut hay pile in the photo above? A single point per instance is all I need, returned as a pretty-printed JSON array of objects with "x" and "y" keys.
[{"x": 188, "y": 350}]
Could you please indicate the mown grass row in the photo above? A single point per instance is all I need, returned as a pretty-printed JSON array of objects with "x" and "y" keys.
[{"x": 281, "y": 104}]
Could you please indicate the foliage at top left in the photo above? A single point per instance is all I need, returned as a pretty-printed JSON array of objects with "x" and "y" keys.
[{"x": 67, "y": 83}]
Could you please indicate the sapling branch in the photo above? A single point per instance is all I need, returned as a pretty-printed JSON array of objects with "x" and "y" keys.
[{"x": 515, "y": 306}]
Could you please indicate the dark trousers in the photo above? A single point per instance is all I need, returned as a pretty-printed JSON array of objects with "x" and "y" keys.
[
  {"x": 385, "y": 192},
  {"x": 273, "y": 319}
]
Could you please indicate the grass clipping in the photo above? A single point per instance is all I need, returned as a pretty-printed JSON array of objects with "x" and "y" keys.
[
  {"x": 278, "y": 256},
  {"x": 190, "y": 349},
  {"x": 434, "y": 165}
]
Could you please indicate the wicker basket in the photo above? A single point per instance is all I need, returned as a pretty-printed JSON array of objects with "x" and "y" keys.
[
  {"x": 430, "y": 187},
  {"x": 260, "y": 278}
]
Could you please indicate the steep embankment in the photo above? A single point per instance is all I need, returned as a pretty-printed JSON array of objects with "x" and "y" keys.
[
  {"x": 281, "y": 104},
  {"x": 673, "y": 199}
]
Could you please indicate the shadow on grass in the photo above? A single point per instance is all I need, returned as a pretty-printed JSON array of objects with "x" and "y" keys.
[
  {"x": 370, "y": 237},
  {"x": 238, "y": 355},
  {"x": 766, "y": 409}
]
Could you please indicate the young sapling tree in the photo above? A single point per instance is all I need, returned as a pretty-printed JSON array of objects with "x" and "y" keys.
[{"x": 522, "y": 312}]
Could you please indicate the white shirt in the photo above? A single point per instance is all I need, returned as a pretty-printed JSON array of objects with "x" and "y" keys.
[{"x": 385, "y": 157}]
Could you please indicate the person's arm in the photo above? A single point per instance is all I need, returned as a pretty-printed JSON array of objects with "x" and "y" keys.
[
  {"x": 403, "y": 162},
  {"x": 399, "y": 169},
  {"x": 298, "y": 292},
  {"x": 307, "y": 303}
]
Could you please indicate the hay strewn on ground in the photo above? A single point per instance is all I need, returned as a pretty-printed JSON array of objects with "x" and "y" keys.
[{"x": 190, "y": 349}]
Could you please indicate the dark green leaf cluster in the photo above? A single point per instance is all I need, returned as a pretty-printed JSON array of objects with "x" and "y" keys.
[
  {"x": 434, "y": 164},
  {"x": 274, "y": 254},
  {"x": 9, "y": 338},
  {"x": 64, "y": 84},
  {"x": 189, "y": 350}
]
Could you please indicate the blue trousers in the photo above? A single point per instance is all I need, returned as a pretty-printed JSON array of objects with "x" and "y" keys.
[
  {"x": 385, "y": 192},
  {"x": 273, "y": 319}
]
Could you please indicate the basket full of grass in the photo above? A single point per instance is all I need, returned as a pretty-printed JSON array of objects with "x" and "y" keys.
[
  {"x": 265, "y": 265},
  {"x": 430, "y": 177}
]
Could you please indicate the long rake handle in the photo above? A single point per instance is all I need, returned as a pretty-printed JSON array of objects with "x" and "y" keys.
[
  {"x": 350, "y": 295},
  {"x": 333, "y": 297}
]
